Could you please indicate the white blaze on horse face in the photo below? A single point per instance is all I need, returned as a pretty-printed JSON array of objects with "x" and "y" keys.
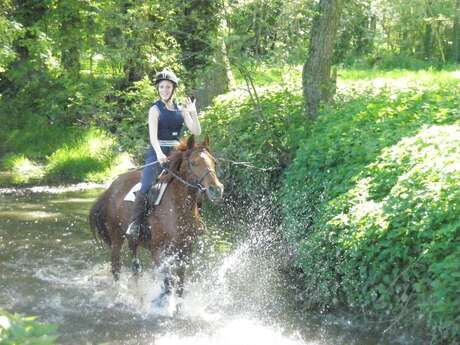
[
  {"x": 212, "y": 177},
  {"x": 208, "y": 161},
  {"x": 205, "y": 156}
]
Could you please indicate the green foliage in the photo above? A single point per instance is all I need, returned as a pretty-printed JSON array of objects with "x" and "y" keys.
[
  {"x": 9, "y": 31},
  {"x": 256, "y": 134},
  {"x": 269, "y": 30},
  {"x": 21, "y": 169},
  {"x": 132, "y": 129},
  {"x": 16, "y": 329},
  {"x": 62, "y": 154},
  {"x": 372, "y": 203},
  {"x": 87, "y": 159}
]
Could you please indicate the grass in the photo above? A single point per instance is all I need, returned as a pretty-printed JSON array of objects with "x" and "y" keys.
[{"x": 65, "y": 155}]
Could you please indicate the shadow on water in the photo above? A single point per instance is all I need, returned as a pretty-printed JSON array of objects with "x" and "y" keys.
[{"x": 50, "y": 267}]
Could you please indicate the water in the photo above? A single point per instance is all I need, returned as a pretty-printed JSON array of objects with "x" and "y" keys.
[{"x": 51, "y": 268}]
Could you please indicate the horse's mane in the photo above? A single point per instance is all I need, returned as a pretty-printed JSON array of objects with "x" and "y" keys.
[{"x": 180, "y": 152}]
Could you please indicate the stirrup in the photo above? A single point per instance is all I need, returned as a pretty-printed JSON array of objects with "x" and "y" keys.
[{"x": 133, "y": 231}]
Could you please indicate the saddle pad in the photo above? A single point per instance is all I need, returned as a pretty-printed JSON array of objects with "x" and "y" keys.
[{"x": 161, "y": 186}]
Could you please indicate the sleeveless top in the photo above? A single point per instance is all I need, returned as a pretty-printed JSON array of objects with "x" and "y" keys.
[{"x": 170, "y": 123}]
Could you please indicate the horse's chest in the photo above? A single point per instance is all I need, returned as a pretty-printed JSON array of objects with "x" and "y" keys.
[{"x": 177, "y": 221}]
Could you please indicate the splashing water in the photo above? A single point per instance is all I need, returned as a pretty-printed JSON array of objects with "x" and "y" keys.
[{"x": 50, "y": 268}]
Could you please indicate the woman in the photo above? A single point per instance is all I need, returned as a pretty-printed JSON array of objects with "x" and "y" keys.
[{"x": 166, "y": 120}]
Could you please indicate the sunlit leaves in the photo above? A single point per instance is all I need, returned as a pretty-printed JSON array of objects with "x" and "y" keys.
[{"x": 372, "y": 200}]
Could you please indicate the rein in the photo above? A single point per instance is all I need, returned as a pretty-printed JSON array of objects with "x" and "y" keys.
[{"x": 198, "y": 186}]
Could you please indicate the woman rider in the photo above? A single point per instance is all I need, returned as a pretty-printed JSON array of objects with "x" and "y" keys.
[{"x": 166, "y": 120}]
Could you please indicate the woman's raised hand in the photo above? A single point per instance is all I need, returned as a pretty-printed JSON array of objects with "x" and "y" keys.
[{"x": 190, "y": 106}]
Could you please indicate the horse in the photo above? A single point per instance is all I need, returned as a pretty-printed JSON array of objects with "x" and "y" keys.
[{"x": 170, "y": 228}]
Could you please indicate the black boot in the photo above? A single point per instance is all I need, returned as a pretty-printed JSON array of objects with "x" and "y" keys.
[{"x": 138, "y": 215}]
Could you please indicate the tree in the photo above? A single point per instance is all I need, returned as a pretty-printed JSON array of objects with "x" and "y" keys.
[
  {"x": 10, "y": 30},
  {"x": 195, "y": 27},
  {"x": 316, "y": 79},
  {"x": 218, "y": 77},
  {"x": 456, "y": 34},
  {"x": 68, "y": 13}
]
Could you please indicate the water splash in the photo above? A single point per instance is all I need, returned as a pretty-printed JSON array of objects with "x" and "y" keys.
[{"x": 239, "y": 331}]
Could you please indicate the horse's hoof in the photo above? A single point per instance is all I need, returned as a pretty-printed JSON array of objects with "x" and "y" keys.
[
  {"x": 136, "y": 267},
  {"x": 162, "y": 300},
  {"x": 178, "y": 311}
]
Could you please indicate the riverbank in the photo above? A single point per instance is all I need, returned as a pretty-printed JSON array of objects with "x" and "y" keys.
[
  {"x": 52, "y": 189},
  {"x": 368, "y": 192},
  {"x": 57, "y": 155}
]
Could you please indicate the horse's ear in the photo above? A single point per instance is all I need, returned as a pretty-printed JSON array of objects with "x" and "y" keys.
[
  {"x": 190, "y": 142},
  {"x": 206, "y": 141}
]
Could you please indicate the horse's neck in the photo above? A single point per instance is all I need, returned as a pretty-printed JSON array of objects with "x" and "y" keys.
[{"x": 187, "y": 195}]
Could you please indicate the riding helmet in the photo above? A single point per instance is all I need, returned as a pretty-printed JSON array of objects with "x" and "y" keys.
[{"x": 166, "y": 75}]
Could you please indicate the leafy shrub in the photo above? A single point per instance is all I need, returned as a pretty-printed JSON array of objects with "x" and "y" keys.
[
  {"x": 16, "y": 329},
  {"x": 256, "y": 134},
  {"x": 372, "y": 203},
  {"x": 22, "y": 169}
]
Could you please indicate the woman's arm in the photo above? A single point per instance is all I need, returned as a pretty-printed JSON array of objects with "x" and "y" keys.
[
  {"x": 191, "y": 117},
  {"x": 154, "y": 115}
]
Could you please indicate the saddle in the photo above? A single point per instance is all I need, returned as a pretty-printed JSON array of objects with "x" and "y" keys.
[{"x": 154, "y": 195}]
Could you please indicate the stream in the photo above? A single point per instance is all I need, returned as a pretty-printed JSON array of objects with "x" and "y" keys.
[{"x": 51, "y": 267}]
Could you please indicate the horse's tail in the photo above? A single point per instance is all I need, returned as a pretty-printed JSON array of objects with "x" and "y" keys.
[{"x": 97, "y": 217}]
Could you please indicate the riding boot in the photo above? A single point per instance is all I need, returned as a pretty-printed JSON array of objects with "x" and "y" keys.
[{"x": 138, "y": 215}]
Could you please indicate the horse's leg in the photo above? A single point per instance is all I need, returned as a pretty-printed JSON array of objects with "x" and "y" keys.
[
  {"x": 136, "y": 266},
  {"x": 182, "y": 261},
  {"x": 180, "y": 280},
  {"x": 156, "y": 257},
  {"x": 168, "y": 281},
  {"x": 115, "y": 258}
]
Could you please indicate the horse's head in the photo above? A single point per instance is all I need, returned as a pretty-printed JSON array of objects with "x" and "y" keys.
[
  {"x": 202, "y": 169},
  {"x": 195, "y": 163}
]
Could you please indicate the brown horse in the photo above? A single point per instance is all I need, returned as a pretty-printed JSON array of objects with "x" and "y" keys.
[{"x": 171, "y": 228}]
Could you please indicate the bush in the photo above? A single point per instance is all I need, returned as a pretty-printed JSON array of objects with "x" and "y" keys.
[
  {"x": 256, "y": 134},
  {"x": 16, "y": 329},
  {"x": 372, "y": 203}
]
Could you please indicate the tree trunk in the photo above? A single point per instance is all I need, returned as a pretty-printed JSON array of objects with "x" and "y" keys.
[
  {"x": 456, "y": 34},
  {"x": 316, "y": 79},
  {"x": 222, "y": 58},
  {"x": 71, "y": 38},
  {"x": 197, "y": 25},
  {"x": 428, "y": 42},
  {"x": 218, "y": 78}
]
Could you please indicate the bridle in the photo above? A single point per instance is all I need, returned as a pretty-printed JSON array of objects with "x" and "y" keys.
[{"x": 197, "y": 185}]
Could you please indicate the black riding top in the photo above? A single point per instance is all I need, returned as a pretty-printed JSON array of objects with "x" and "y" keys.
[{"x": 170, "y": 122}]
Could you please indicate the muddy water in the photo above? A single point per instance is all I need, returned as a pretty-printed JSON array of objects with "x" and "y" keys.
[{"x": 51, "y": 268}]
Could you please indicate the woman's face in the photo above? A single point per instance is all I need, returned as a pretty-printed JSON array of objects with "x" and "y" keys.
[{"x": 165, "y": 88}]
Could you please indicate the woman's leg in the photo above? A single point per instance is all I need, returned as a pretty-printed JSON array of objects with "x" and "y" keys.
[
  {"x": 149, "y": 174},
  {"x": 151, "y": 171}
]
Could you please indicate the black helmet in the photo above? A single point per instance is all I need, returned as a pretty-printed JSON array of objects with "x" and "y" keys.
[{"x": 166, "y": 75}]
